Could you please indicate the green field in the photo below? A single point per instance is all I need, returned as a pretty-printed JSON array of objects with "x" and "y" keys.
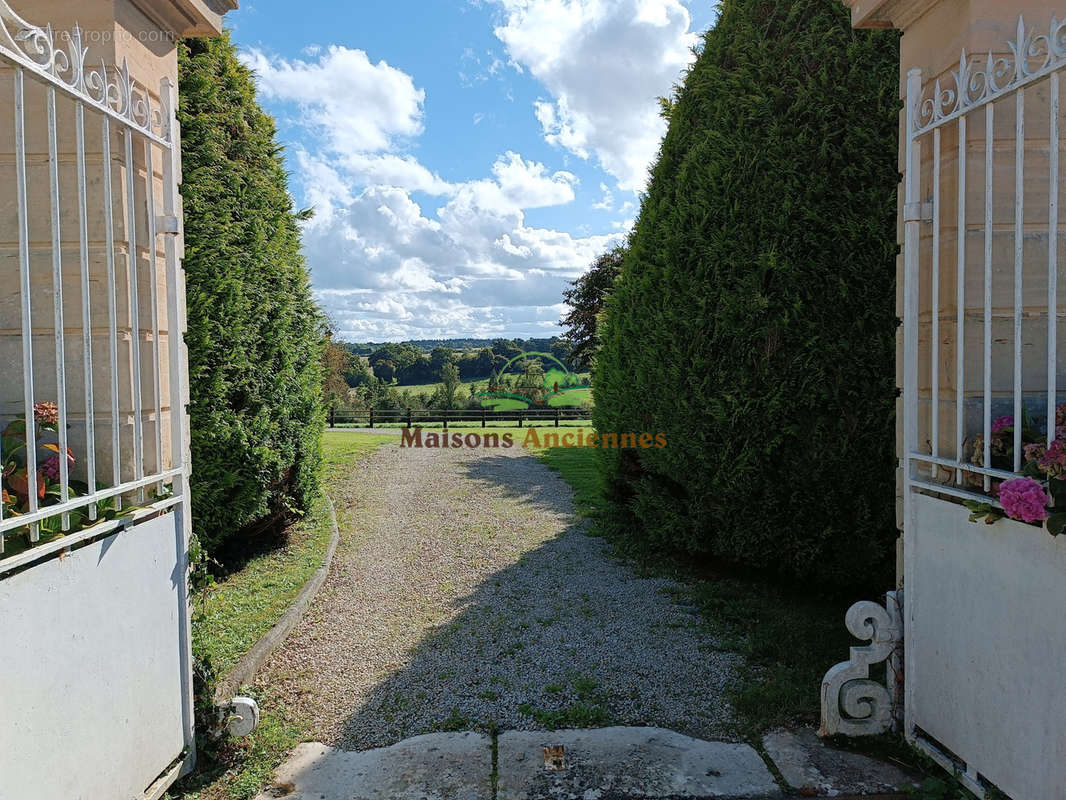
[
  {"x": 570, "y": 397},
  {"x": 425, "y": 388}
]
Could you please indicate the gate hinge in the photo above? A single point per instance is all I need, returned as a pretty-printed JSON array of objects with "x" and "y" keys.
[
  {"x": 918, "y": 212},
  {"x": 168, "y": 223}
]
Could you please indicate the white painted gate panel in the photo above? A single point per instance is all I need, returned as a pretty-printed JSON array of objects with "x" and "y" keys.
[
  {"x": 95, "y": 658},
  {"x": 92, "y": 668},
  {"x": 987, "y": 644},
  {"x": 984, "y": 639}
]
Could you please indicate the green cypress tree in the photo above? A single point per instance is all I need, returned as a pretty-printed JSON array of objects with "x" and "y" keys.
[
  {"x": 753, "y": 322},
  {"x": 255, "y": 336}
]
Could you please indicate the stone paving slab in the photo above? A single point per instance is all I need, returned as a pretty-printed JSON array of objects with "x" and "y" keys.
[
  {"x": 627, "y": 762},
  {"x": 615, "y": 763},
  {"x": 812, "y": 767},
  {"x": 434, "y": 766}
]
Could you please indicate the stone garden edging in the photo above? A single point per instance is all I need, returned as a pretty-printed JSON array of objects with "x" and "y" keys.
[{"x": 243, "y": 671}]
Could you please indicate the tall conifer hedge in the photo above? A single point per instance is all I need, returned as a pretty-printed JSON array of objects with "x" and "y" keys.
[
  {"x": 255, "y": 336},
  {"x": 754, "y": 318}
]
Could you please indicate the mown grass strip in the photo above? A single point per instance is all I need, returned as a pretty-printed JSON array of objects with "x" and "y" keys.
[
  {"x": 233, "y": 614},
  {"x": 577, "y": 466},
  {"x": 247, "y": 603},
  {"x": 788, "y": 637}
]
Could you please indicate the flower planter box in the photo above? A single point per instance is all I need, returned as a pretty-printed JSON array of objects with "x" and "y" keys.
[{"x": 985, "y": 610}]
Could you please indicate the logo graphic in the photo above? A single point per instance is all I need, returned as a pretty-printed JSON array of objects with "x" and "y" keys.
[{"x": 524, "y": 382}]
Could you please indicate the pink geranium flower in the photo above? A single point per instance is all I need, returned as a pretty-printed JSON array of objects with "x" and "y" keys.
[
  {"x": 1024, "y": 499},
  {"x": 1002, "y": 423},
  {"x": 1054, "y": 459}
]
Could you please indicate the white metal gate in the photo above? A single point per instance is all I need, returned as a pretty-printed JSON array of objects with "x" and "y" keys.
[
  {"x": 96, "y": 693},
  {"x": 983, "y": 604}
]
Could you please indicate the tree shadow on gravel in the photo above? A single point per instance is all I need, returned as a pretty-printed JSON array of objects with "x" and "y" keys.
[{"x": 564, "y": 636}]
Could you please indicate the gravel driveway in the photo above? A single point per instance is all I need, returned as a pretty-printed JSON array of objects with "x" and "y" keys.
[{"x": 465, "y": 594}]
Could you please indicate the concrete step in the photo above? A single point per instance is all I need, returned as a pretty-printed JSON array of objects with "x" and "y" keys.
[
  {"x": 615, "y": 763},
  {"x": 624, "y": 762}
]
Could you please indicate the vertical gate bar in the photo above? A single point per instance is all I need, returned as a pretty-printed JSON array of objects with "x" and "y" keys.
[
  {"x": 57, "y": 303},
  {"x": 960, "y": 303},
  {"x": 112, "y": 312},
  {"x": 86, "y": 312},
  {"x": 153, "y": 276},
  {"x": 135, "y": 311},
  {"x": 24, "y": 285},
  {"x": 934, "y": 305},
  {"x": 1053, "y": 262},
  {"x": 176, "y": 353},
  {"x": 911, "y": 244},
  {"x": 1019, "y": 252},
  {"x": 987, "y": 402}
]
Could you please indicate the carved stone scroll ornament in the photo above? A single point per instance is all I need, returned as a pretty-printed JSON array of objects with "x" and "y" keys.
[{"x": 852, "y": 703}]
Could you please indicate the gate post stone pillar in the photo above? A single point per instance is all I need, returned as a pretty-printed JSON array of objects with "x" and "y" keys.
[
  {"x": 935, "y": 33},
  {"x": 143, "y": 35}
]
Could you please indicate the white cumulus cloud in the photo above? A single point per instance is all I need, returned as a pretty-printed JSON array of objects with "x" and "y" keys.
[
  {"x": 382, "y": 265},
  {"x": 604, "y": 63},
  {"x": 361, "y": 105}
]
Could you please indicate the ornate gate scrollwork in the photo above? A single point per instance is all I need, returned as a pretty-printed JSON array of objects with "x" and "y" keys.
[{"x": 852, "y": 703}]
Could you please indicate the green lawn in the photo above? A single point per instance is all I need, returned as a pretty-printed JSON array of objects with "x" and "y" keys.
[
  {"x": 232, "y": 615},
  {"x": 341, "y": 450},
  {"x": 578, "y": 467}
]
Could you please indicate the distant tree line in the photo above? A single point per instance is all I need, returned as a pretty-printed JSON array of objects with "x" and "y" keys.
[
  {"x": 350, "y": 383},
  {"x": 385, "y": 379},
  {"x": 409, "y": 364},
  {"x": 460, "y": 344}
]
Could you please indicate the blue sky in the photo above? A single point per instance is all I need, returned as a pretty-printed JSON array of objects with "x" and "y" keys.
[{"x": 465, "y": 158}]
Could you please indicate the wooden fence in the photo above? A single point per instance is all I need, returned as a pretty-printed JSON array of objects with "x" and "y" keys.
[{"x": 410, "y": 417}]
